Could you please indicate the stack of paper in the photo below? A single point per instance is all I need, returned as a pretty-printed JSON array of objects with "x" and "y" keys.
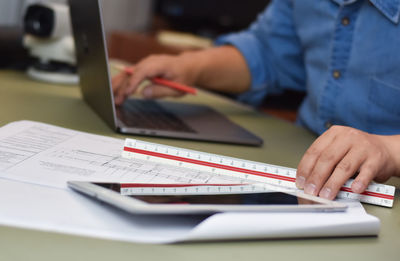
[{"x": 37, "y": 159}]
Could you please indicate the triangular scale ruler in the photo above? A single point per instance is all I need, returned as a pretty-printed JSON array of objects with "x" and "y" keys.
[{"x": 249, "y": 171}]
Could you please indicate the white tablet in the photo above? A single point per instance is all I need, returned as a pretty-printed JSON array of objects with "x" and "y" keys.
[{"x": 195, "y": 199}]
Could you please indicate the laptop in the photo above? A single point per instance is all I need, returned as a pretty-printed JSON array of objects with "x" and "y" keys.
[{"x": 139, "y": 116}]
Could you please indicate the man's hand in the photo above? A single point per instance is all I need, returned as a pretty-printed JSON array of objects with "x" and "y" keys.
[
  {"x": 222, "y": 69},
  {"x": 340, "y": 153},
  {"x": 170, "y": 67}
]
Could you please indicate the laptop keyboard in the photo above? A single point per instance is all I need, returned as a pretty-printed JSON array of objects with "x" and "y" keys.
[{"x": 148, "y": 114}]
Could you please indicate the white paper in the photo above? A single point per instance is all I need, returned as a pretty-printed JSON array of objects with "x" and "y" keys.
[
  {"x": 37, "y": 207},
  {"x": 353, "y": 222},
  {"x": 64, "y": 211},
  {"x": 37, "y": 159},
  {"x": 48, "y": 155}
]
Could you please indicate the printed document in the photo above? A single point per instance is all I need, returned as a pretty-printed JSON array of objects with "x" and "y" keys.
[
  {"x": 36, "y": 161},
  {"x": 49, "y": 155}
]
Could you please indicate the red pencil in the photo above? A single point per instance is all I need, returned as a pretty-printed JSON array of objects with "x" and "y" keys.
[{"x": 161, "y": 81}]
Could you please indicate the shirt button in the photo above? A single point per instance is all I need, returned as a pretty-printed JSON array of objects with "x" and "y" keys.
[
  {"x": 336, "y": 74},
  {"x": 328, "y": 124},
  {"x": 345, "y": 21}
]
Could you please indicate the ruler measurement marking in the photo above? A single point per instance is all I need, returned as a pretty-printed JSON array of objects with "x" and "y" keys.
[
  {"x": 236, "y": 169},
  {"x": 243, "y": 168},
  {"x": 209, "y": 164},
  {"x": 187, "y": 189},
  {"x": 369, "y": 193}
]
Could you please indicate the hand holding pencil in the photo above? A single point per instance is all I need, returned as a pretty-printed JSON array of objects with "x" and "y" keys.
[
  {"x": 161, "y": 81},
  {"x": 165, "y": 73}
]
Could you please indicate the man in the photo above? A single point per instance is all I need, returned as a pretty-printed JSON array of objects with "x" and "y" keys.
[{"x": 342, "y": 53}]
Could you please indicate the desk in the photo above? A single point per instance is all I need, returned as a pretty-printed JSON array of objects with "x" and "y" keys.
[{"x": 22, "y": 98}]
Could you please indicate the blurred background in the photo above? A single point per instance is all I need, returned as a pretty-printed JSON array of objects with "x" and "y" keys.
[
  {"x": 151, "y": 26},
  {"x": 138, "y": 28}
]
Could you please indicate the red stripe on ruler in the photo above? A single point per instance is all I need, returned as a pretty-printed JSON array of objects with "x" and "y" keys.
[
  {"x": 369, "y": 193},
  {"x": 241, "y": 170},
  {"x": 149, "y": 185},
  {"x": 209, "y": 164}
]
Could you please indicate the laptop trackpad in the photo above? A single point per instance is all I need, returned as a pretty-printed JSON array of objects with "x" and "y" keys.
[
  {"x": 173, "y": 119},
  {"x": 206, "y": 120}
]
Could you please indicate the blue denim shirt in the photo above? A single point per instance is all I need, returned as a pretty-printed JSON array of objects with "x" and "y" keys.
[{"x": 344, "y": 54}]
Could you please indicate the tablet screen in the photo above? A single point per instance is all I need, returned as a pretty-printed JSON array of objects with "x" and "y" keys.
[{"x": 264, "y": 198}]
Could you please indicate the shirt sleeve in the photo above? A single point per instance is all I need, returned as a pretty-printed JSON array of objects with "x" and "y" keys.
[{"x": 272, "y": 51}]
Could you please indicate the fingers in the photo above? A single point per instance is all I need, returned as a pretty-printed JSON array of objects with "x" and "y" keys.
[
  {"x": 153, "y": 66},
  {"x": 330, "y": 159},
  {"x": 311, "y": 156},
  {"x": 119, "y": 84},
  {"x": 367, "y": 173},
  {"x": 120, "y": 94},
  {"x": 335, "y": 157},
  {"x": 345, "y": 169},
  {"x": 378, "y": 167},
  {"x": 125, "y": 84},
  {"x": 141, "y": 74},
  {"x": 117, "y": 80},
  {"x": 164, "y": 66},
  {"x": 153, "y": 91}
]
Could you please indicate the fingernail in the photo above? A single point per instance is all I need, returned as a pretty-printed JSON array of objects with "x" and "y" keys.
[
  {"x": 148, "y": 93},
  {"x": 310, "y": 189},
  {"x": 357, "y": 186},
  {"x": 326, "y": 193},
  {"x": 300, "y": 182}
]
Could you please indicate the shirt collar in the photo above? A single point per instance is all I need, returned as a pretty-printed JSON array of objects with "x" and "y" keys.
[{"x": 389, "y": 8}]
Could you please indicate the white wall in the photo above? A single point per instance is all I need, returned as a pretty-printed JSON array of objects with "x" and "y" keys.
[
  {"x": 126, "y": 15},
  {"x": 118, "y": 14},
  {"x": 10, "y": 12}
]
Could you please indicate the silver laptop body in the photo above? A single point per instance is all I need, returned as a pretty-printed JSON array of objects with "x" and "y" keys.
[{"x": 136, "y": 116}]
